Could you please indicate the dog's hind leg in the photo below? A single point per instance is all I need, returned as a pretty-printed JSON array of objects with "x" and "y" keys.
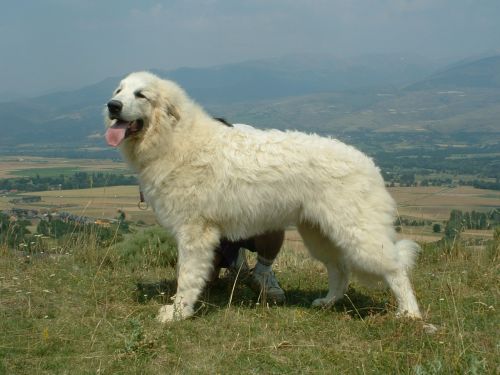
[
  {"x": 337, "y": 285},
  {"x": 373, "y": 256},
  {"x": 376, "y": 256},
  {"x": 400, "y": 285},
  {"x": 323, "y": 249},
  {"x": 196, "y": 244}
]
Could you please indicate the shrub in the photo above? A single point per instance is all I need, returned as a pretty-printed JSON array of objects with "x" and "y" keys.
[
  {"x": 150, "y": 247},
  {"x": 12, "y": 233}
]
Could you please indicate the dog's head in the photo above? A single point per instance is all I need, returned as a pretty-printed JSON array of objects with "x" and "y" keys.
[{"x": 138, "y": 105}]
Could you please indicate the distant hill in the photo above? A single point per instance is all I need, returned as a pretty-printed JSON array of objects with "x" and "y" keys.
[
  {"x": 296, "y": 75},
  {"x": 482, "y": 73},
  {"x": 371, "y": 94},
  {"x": 448, "y": 114},
  {"x": 455, "y": 101}
]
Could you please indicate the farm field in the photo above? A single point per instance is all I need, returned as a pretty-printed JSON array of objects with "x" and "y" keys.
[
  {"x": 20, "y": 166},
  {"x": 97, "y": 202},
  {"x": 420, "y": 203},
  {"x": 435, "y": 203}
]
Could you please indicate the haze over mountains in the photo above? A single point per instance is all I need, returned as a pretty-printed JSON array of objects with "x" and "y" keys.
[{"x": 370, "y": 94}]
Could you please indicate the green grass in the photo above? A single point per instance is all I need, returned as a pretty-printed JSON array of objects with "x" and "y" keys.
[{"x": 79, "y": 312}]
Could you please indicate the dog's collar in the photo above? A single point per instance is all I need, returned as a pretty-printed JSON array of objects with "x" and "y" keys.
[{"x": 142, "y": 204}]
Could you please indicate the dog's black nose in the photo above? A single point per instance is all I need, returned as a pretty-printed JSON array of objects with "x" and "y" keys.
[{"x": 115, "y": 106}]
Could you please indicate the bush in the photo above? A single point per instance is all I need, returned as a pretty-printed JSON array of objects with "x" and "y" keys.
[
  {"x": 151, "y": 247},
  {"x": 12, "y": 233},
  {"x": 105, "y": 236}
]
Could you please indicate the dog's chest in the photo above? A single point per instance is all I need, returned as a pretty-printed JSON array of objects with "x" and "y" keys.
[
  {"x": 171, "y": 198},
  {"x": 162, "y": 205}
]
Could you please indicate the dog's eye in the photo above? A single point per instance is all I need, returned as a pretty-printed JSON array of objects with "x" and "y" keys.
[{"x": 139, "y": 94}]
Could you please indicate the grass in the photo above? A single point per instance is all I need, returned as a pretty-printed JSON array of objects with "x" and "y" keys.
[{"x": 80, "y": 311}]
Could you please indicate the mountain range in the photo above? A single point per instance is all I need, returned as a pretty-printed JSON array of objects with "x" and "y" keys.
[{"x": 372, "y": 94}]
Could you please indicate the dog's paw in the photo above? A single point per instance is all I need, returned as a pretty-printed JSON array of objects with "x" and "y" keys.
[
  {"x": 405, "y": 314},
  {"x": 168, "y": 313},
  {"x": 429, "y": 328}
]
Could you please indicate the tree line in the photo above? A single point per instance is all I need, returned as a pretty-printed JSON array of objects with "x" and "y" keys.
[
  {"x": 460, "y": 221},
  {"x": 410, "y": 179},
  {"x": 78, "y": 180}
]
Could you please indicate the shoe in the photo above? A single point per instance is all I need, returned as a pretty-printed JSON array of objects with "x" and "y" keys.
[{"x": 266, "y": 285}]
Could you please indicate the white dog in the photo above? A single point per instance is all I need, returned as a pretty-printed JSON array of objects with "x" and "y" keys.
[{"x": 205, "y": 181}]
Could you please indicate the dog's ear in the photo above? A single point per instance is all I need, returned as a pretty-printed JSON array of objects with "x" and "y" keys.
[{"x": 173, "y": 112}]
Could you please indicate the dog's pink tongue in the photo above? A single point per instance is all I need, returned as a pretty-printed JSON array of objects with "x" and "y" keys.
[{"x": 116, "y": 133}]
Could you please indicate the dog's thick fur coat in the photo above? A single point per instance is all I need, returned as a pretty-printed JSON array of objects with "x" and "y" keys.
[{"x": 206, "y": 181}]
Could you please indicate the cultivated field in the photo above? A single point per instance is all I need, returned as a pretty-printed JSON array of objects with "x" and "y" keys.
[
  {"x": 97, "y": 202},
  {"x": 435, "y": 203},
  {"x": 421, "y": 203},
  {"x": 18, "y": 166}
]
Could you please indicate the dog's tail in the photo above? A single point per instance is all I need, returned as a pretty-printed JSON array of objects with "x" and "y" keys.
[{"x": 407, "y": 253}]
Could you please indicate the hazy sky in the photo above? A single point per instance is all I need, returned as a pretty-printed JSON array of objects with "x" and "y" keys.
[{"x": 49, "y": 44}]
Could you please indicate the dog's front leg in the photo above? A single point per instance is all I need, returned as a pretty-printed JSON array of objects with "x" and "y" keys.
[{"x": 196, "y": 245}]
